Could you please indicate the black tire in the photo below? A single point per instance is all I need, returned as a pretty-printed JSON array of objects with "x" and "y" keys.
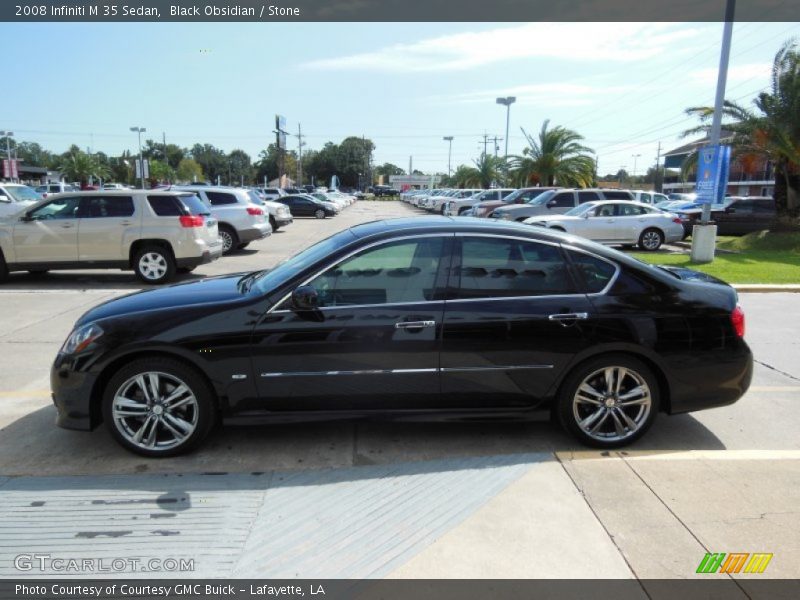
[
  {"x": 628, "y": 246},
  {"x": 319, "y": 213},
  {"x": 3, "y": 267},
  {"x": 186, "y": 269},
  {"x": 243, "y": 246},
  {"x": 651, "y": 240},
  {"x": 230, "y": 239},
  {"x": 274, "y": 223},
  {"x": 201, "y": 414},
  {"x": 571, "y": 412},
  {"x": 162, "y": 264}
]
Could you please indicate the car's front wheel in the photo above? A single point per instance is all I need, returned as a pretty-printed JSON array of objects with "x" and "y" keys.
[
  {"x": 609, "y": 401},
  {"x": 154, "y": 264},
  {"x": 320, "y": 214},
  {"x": 230, "y": 240},
  {"x": 158, "y": 407},
  {"x": 651, "y": 240}
]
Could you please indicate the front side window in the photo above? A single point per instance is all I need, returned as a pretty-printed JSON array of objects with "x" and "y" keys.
[
  {"x": 63, "y": 208},
  {"x": 505, "y": 268},
  {"x": 397, "y": 272}
]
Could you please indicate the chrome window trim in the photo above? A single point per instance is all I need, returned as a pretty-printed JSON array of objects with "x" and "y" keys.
[{"x": 353, "y": 253}]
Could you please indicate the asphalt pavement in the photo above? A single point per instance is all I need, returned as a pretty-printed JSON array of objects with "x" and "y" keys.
[{"x": 406, "y": 500}]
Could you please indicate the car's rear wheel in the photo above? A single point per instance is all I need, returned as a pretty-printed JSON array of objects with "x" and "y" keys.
[
  {"x": 230, "y": 240},
  {"x": 154, "y": 264},
  {"x": 158, "y": 407},
  {"x": 651, "y": 240},
  {"x": 320, "y": 214},
  {"x": 3, "y": 267},
  {"x": 274, "y": 223},
  {"x": 608, "y": 402}
]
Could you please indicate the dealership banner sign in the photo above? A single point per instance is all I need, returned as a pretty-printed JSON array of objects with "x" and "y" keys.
[{"x": 713, "y": 164}]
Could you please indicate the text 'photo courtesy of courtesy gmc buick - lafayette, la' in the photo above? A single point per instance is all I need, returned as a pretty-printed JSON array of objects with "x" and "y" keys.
[{"x": 428, "y": 317}]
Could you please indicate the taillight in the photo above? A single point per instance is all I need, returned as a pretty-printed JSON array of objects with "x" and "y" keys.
[
  {"x": 254, "y": 210},
  {"x": 677, "y": 220},
  {"x": 737, "y": 319},
  {"x": 191, "y": 220}
]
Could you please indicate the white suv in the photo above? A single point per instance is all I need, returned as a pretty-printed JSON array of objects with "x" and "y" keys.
[
  {"x": 152, "y": 232},
  {"x": 241, "y": 221},
  {"x": 15, "y": 197}
]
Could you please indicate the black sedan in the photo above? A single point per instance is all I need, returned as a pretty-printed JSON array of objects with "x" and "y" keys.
[
  {"x": 430, "y": 317},
  {"x": 302, "y": 205}
]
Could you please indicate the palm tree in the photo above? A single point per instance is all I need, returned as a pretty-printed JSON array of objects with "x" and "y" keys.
[
  {"x": 556, "y": 158},
  {"x": 486, "y": 171},
  {"x": 771, "y": 131},
  {"x": 80, "y": 166}
]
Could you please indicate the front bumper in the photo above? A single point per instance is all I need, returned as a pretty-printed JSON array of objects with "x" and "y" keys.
[
  {"x": 72, "y": 393},
  {"x": 283, "y": 220},
  {"x": 257, "y": 232}
]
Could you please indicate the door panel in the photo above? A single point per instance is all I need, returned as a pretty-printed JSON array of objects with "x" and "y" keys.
[
  {"x": 514, "y": 324},
  {"x": 377, "y": 329},
  {"x": 107, "y": 227},
  {"x": 51, "y": 235}
]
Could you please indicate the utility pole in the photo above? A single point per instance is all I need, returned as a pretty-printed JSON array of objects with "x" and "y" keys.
[
  {"x": 140, "y": 131},
  {"x": 449, "y": 140},
  {"x": 635, "y": 158},
  {"x": 657, "y": 185},
  {"x": 300, "y": 145},
  {"x": 410, "y": 162},
  {"x": 485, "y": 142},
  {"x": 496, "y": 139},
  {"x": 507, "y": 102}
]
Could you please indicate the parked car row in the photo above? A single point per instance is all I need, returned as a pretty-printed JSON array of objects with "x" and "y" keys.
[
  {"x": 155, "y": 233},
  {"x": 739, "y": 215}
]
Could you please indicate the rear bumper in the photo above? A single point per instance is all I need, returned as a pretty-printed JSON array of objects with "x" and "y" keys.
[
  {"x": 283, "y": 221},
  {"x": 258, "y": 232},
  {"x": 193, "y": 261}
]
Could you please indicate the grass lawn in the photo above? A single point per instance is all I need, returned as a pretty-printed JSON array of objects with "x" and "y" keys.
[{"x": 760, "y": 257}]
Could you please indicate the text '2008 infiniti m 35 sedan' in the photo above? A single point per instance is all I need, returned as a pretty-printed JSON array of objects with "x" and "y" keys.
[{"x": 429, "y": 317}]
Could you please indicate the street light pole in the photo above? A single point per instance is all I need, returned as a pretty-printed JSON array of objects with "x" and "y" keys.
[
  {"x": 635, "y": 157},
  {"x": 8, "y": 135},
  {"x": 449, "y": 140},
  {"x": 140, "y": 131},
  {"x": 507, "y": 102}
]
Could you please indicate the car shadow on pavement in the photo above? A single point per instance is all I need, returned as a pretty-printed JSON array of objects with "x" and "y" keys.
[{"x": 34, "y": 445}]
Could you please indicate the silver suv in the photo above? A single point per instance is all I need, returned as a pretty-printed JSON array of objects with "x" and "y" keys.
[
  {"x": 15, "y": 197},
  {"x": 459, "y": 206},
  {"x": 557, "y": 202},
  {"x": 154, "y": 233},
  {"x": 241, "y": 221}
]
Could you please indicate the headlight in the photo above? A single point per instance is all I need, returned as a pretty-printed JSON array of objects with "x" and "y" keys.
[
  {"x": 80, "y": 338},
  {"x": 504, "y": 216}
]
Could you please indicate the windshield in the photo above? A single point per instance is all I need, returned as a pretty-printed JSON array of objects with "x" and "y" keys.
[
  {"x": 22, "y": 193},
  {"x": 269, "y": 280},
  {"x": 542, "y": 198},
  {"x": 580, "y": 209}
]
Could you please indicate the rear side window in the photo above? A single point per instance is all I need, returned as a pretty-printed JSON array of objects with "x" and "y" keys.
[
  {"x": 98, "y": 207},
  {"x": 587, "y": 197},
  {"x": 593, "y": 273},
  {"x": 177, "y": 206},
  {"x": 616, "y": 195},
  {"x": 505, "y": 268},
  {"x": 630, "y": 210},
  {"x": 764, "y": 206},
  {"x": 220, "y": 198},
  {"x": 564, "y": 200}
]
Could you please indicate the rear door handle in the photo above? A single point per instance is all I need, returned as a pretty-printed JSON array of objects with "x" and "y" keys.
[
  {"x": 126, "y": 223},
  {"x": 567, "y": 319},
  {"x": 67, "y": 226},
  {"x": 414, "y": 324}
]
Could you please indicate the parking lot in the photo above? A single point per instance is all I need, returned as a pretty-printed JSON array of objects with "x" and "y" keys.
[{"x": 415, "y": 500}]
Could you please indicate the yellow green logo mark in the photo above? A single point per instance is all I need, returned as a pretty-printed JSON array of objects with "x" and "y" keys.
[{"x": 734, "y": 562}]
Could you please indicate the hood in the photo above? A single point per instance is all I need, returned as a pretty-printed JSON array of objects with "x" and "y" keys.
[{"x": 205, "y": 291}]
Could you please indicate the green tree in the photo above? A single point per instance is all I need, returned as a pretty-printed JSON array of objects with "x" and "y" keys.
[
  {"x": 486, "y": 172},
  {"x": 556, "y": 156},
  {"x": 770, "y": 131},
  {"x": 189, "y": 171},
  {"x": 269, "y": 161},
  {"x": 32, "y": 154},
  {"x": 354, "y": 159},
  {"x": 388, "y": 169},
  {"x": 160, "y": 172},
  {"x": 240, "y": 167},
  {"x": 77, "y": 165},
  {"x": 212, "y": 160}
]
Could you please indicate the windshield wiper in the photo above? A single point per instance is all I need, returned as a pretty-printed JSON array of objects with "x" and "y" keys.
[{"x": 246, "y": 282}]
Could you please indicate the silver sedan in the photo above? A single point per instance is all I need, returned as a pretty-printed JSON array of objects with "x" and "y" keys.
[{"x": 615, "y": 222}]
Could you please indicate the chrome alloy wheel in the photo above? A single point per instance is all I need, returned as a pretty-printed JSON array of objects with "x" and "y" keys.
[
  {"x": 155, "y": 410},
  {"x": 153, "y": 266},
  {"x": 612, "y": 404},
  {"x": 651, "y": 240},
  {"x": 227, "y": 240}
]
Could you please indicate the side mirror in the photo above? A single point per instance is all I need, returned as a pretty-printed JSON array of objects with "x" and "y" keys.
[
  {"x": 588, "y": 213},
  {"x": 4, "y": 198},
  {"x": 551, "y": 204},
  {"x": 26, "y": 218},
  {"x": 305, "y": 298}
]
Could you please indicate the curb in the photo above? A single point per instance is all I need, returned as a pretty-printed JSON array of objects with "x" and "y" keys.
[{"x": 765, "y": 288}]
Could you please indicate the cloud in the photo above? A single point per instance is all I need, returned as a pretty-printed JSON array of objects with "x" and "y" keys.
[{"x": 618, "y": 42}]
